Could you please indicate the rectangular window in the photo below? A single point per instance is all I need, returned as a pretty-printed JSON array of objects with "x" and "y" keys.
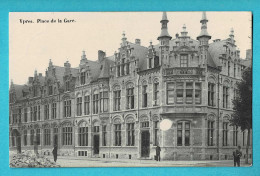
[
  {"x": 187, "y": 134},
  {"x": 67, "y": 86},
  {"x": 117, "y": 97},
  {"x": 118, "y": 70},
  {"x": 67, "y": 136},
  {"x": 82, "y": 78},
  {"x": 150, "y": 63},
  {"x": 170, "y": 93},
  {"x": 211, "y": 94},
  {"x": 54, "y": 110},
  {"x": 179, "y": 134},
  {"x": 95, "y": 103},
  {"x": 127, "y": 68},
  {"x": 39, "y": 112},
  {"x": 83, "y": 136},
  {"x": 234, "y": 70},
  {"x": 79, "y": 106},
  {"x": 86, "y": 105},
  {"x": 130, "y": 134},
  {"x": 104, "y": 135},
  {"x": 228, "y": 68},
  {"x": 25, "y": 137},
  {"x": 117, "y": 134},
  {"x": 31, "y": 114},
  {"x": 225, "y": 133},
  {"x": 130, "y": 98},
  {"x": 38, "y": 136},
  {"x": 46, "y": 111},
  {"x": 145, "y": 124},
  {"x": 104, "y": 101},
  {"x": 47, "y": 136},
  {"x": 25, "y": 114},
  {"x": 145, "y": 96},
  {"x": 189, "y": 92},
  {"x": 50, "y": 90},
  {"x": 235, "y": 133},
  {"x": 123, "y": 67},
  {"x": 35, "y": 113},
  {"x": 184, "y": 61},
  {"x": 156, "y": 94},
  {"x": 67, "y": 108},
  {"x": 31, "y": 137},
  {"x": 198, "y": 93},
  {"x": 210, "y": 133},
  {"x": 156, "y": 130},
  {"x": 179, "y": 92},
  {"x": 225, "y": 97}
]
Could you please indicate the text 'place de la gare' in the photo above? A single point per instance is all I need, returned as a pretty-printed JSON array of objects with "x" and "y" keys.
[{"x": 112, "y": 107}]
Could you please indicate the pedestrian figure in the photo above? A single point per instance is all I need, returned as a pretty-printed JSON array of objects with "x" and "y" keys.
[
  {"x": 237, "y": 154},
  {"x": 55, "y": 153},
  {"x": 158, "y": 151}
]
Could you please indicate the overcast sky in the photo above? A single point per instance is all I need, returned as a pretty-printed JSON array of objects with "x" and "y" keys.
[{"x": 31, "y": 45}]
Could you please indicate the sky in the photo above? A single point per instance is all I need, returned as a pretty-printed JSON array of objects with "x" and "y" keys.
[{"x": 33, "y": 41}]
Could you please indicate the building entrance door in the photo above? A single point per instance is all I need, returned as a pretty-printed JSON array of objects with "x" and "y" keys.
[
  {"x": 145, "y": 143},
  {"x": 18, "y": 141},
  {"x": 96, "y": 144}
]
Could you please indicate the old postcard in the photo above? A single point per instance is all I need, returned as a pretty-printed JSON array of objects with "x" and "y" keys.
[{"x": 130, "y": 89}]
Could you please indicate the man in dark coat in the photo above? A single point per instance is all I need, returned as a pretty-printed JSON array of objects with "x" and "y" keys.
[
  {"x": 158, "y": 151},
  {"x": 237, "y": 154},
  {"x": 55, "y": 153}
]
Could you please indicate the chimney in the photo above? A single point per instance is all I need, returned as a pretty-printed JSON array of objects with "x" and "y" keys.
[
  {"x": 138, "y": 41},
  {"x": 30, "y": 80},
  {"x": 177, "y": 35},
  {"x": 101, "y": 55},
  {"x": 67, "y": 67},
  {"x": 248, "y": 54},
  {"x": 40, "y": 74}
]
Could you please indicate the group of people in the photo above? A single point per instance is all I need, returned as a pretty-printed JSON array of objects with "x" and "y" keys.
[{"x": 236, "y": 154}]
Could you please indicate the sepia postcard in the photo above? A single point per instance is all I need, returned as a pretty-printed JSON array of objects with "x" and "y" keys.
[{"x": 130, "y": 89}]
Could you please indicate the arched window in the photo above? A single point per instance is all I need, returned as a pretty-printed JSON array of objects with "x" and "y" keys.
[
  {"x": 103, "y": 101},
  {"x": 67, "y": 108},
  {"x": 82, "y": 77},
  {"x": 117, "y": 132},
  {"x": 47, "y": 135},
  {"x": 225, "y": 97},
  {"x": 145, "y": 94},
  {"x": 211, "y": 127},
  {"x": 79, "y": 106},
  {"x": 116, "y": 98},
  {"x": 156, "y": 92},
  {"x": 87, "y": 104},
  {"x": 25, "y": 137},
  {"x": 83, "y": 134},
  {"x": 130, "y": 96},
  {"x": 67, "y": 134},
  {"x": 130, "y": 131}
]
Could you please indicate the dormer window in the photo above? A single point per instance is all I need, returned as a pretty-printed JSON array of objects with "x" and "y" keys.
[
  {"x": 50, "y": 90},
  {"x": 67, "y": 85},
  {"x": 82, "y": 78},
  {"x": 184, "y": 61},
  {"x": 34, "y": 91}
]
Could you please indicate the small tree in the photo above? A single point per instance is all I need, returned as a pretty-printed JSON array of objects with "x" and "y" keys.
[{"x": 242, "y": 115}]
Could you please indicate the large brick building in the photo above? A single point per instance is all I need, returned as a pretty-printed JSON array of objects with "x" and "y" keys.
[{"x": 112, "y": 107}]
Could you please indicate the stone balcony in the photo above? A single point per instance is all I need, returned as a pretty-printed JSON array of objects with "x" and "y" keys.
[{"x": 196, "y": 71}]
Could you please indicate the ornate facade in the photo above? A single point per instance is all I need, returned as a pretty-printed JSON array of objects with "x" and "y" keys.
[{"x": 112, "y": 107}]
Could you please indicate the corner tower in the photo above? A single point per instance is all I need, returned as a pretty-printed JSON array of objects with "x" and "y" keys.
[
  {"x": 164, "y": 39},
  {"x": 203, "y": 38}
]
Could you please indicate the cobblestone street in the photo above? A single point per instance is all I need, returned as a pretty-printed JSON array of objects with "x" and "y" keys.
[{"x": 99, "y": 162}]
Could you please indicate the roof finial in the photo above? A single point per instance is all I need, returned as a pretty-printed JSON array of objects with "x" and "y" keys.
[
  {"x": 164, "y": 28},
  {"x": 204, "y": 32},
  {"x": 231, "y": 35}
]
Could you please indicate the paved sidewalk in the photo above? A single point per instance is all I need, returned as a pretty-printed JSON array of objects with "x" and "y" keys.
[{"x": 107, "y": 162}]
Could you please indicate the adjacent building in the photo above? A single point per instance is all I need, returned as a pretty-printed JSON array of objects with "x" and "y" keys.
[{"x": 112, "y": 107}]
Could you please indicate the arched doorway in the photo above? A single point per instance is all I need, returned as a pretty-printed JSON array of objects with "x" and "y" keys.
[{"x": 16, "y": 140}]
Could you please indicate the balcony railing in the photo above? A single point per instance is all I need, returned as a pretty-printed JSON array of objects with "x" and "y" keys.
[{"x": 183, "y": 71}]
